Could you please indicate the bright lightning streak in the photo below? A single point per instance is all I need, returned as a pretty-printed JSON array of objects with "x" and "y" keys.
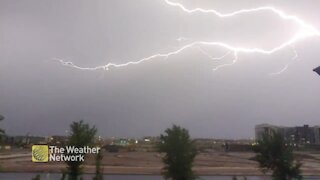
[
  {"x": 311, "y": 29},
  {"x": 281, "y": 71},
  {"x": 211, "y": 57},
  {"x": 306, "y": 31},
  {"x": 295, "y": 56},
  {"x": 230, "y": 64},
  {"x": 219, "y": 58}
]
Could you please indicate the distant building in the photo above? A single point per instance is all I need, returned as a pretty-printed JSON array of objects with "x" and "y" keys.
[
  {"x": 25, "y": 140},
  {"x": 121, "y": 142},
  {"x": 265, "y": 129},
  {"x": 293, "y": 135},
  {"x": 58, "y": 140}
]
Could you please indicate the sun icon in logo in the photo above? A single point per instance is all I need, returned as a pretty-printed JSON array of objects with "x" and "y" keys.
[{"x": 40, "y": 153}]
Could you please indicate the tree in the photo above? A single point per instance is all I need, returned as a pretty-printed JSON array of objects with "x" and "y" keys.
[
  {"x": 99, "y": 169},
  {"x": 273, "y": 154},
  {"x": 2, "y": 132},
  {"x": 179, "y": 152},
  {"x": 81, "y": 135}
]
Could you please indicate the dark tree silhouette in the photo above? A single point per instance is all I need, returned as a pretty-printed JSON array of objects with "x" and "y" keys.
[
  {"x": 2, "y": 132},
  {"x": 99, "y": 168},
  {"x": 179, "y": 154},
  {"x": 81, "y": 135},
  {"x": 273, "y": 154}
]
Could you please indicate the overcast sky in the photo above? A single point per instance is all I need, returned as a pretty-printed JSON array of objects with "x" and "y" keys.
[{"x": 41, "y": 97}]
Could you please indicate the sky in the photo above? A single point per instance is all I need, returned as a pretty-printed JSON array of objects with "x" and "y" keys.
[{"x": 40, "y": 96}]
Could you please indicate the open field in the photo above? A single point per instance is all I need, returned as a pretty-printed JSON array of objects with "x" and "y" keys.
[{"x": 211, "y": 163}]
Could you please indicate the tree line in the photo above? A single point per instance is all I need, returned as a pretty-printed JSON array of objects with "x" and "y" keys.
[{"x": 272, "y": 154}]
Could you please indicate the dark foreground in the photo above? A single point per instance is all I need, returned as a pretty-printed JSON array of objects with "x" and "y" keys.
[
  {"x": 26, "y": 176},
  {"x": 149, "y": 163}
]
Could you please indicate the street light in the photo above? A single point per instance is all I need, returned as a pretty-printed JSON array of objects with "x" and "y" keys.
[{"x": 317, "y": 70}]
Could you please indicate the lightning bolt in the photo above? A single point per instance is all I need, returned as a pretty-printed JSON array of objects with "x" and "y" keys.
[
  {"x": 306, "y": 30},
  {"x": 211, "y": 57},
  {"x": 295, "y": 56}
]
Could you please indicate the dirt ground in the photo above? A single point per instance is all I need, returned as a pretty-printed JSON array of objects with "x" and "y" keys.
[{"x": 212, "y": 163}]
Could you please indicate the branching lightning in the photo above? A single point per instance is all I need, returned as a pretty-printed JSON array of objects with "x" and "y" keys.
[
  {"x": 295, "y": 56},
  {"x": 306, "y": 30},
  {"x": 211, "y": 57}
]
